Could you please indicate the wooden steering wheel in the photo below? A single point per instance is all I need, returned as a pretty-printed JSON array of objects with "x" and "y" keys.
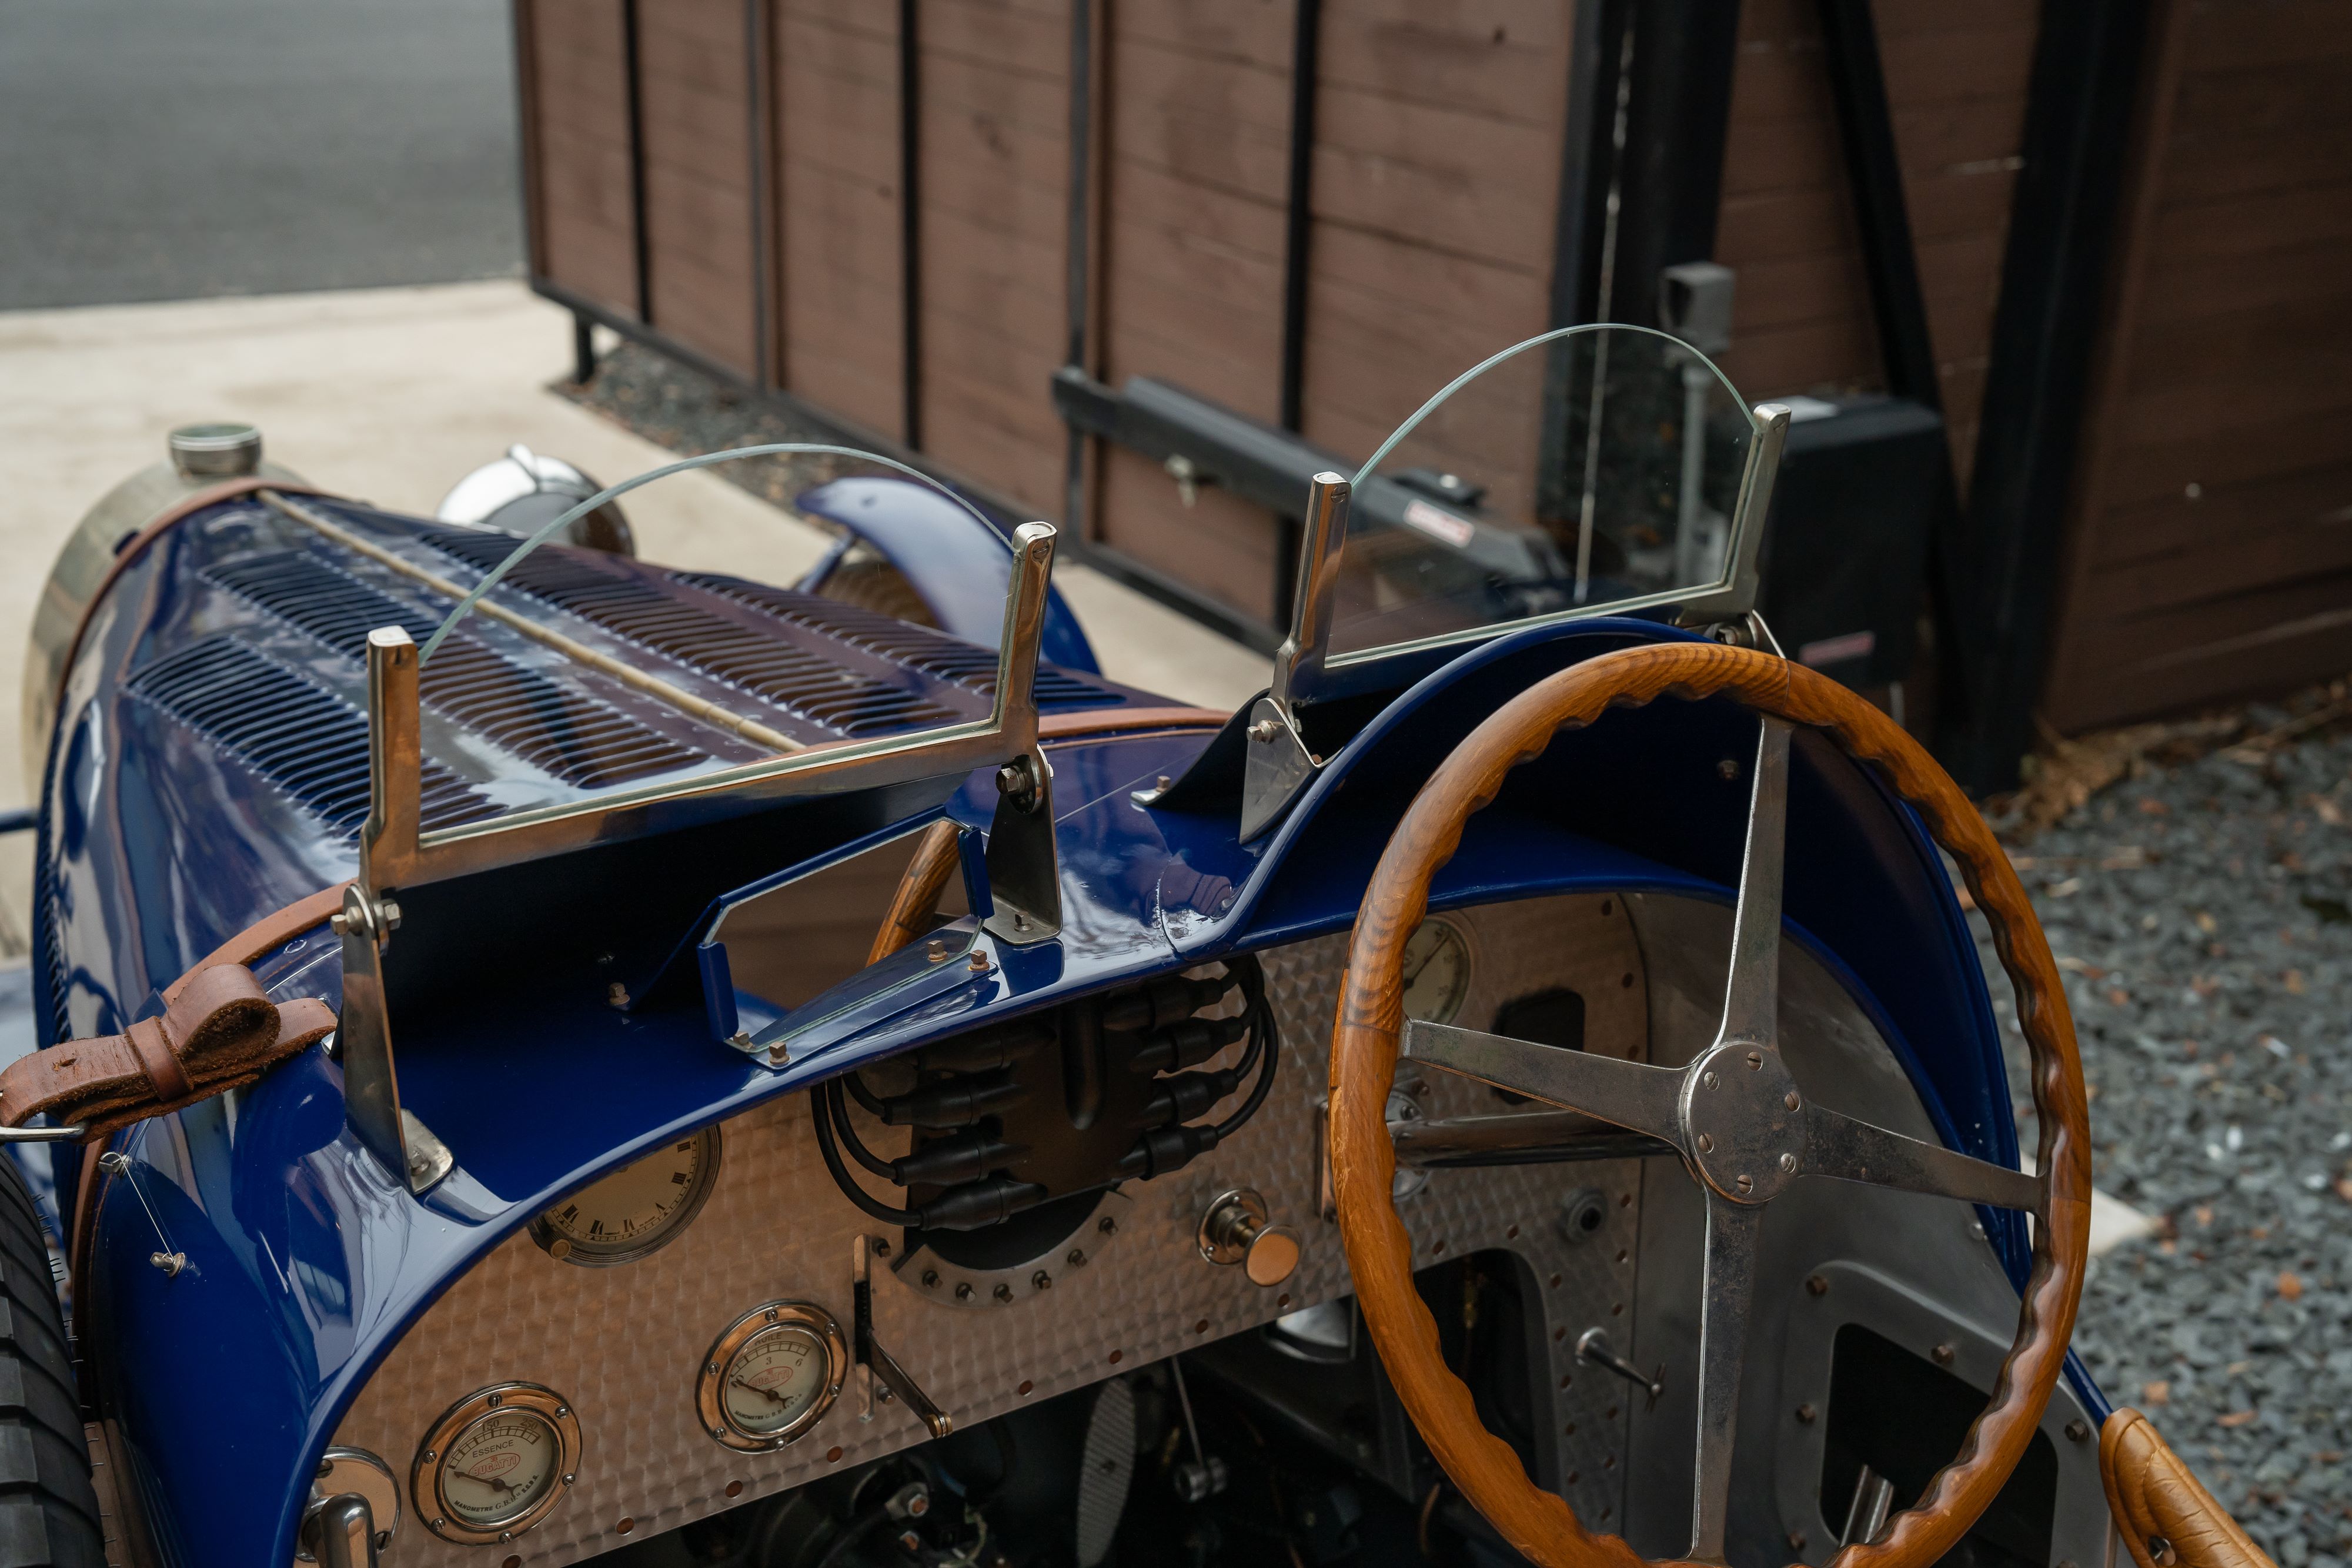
[{"x": 1734, "y": 1113}]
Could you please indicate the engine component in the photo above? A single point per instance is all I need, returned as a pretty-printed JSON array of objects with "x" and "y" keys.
[
  {"x": 1235, "y": 1230},
  {"x": 1021, "y": 1116}
]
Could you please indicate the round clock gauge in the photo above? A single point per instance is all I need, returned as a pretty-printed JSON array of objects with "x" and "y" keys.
[
  {"x": 636, "y": 1210},
  {"x": 494, "y": 1463},
  {"x": 1436, "y": 972},
  {"x": 770, "y": 1376}
]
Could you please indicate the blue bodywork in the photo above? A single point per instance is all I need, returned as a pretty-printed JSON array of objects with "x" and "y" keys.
[
  {"x": 958, "y": 564},
  {"x": 307, "y": 1261}
]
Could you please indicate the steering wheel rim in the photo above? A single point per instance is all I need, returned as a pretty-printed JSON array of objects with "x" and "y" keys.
[{"x": 1369, "y": 1025}]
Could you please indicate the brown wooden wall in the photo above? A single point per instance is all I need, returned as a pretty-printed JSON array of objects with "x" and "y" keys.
[
  {"x": 2211, "y": 554},
  {"x": 1435, "y": 180}
]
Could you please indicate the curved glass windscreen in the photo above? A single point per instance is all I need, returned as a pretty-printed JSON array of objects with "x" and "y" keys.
[{"x": 1588, "y": 469}]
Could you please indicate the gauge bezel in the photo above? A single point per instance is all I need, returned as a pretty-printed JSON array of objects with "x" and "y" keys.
[
  {"x": 424, "y": 1477},
  {"x": 543, "y": 1231},
  {"x": 1461, "y": 935},
  {"x": 767, "y": 1318}
]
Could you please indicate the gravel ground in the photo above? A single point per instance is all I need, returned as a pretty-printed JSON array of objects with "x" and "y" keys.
[
  {"x": 678, "y": 407},
  {"x": 2203, "y": 915}
]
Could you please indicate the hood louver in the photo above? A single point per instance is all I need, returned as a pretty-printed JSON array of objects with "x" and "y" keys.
[
  {"x": 792, "y": 678},
  {"x": 919, "y": 647},
  {"x": 563, "y": 733},
  {"x": 288, "y": 729}
]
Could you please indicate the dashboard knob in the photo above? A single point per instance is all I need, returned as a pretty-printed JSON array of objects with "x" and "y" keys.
[{"x": 1235, "y": 1229}]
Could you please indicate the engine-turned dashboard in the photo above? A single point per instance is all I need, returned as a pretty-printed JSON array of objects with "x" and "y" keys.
[{"x": 715, "y": 1367}]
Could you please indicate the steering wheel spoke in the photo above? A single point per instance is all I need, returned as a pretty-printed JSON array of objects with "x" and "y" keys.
[
  {"x": 1627, "y": 1093},
  {"x": 1751, "y": 996},
  {"x": 1728, "y": 1293},
  {"x": 1522, "y": 1138},
  {"x": 1844, "y": 1149}
]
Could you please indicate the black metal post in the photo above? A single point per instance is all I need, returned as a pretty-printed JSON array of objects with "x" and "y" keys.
[
  {"x": 630, "y": 65},
  {"x": 1677, "y": 120},
  {"x": 1075, "y": 282},
  {"x": 2001, "y": 572},
  {"x": 1299, "y": 221},
  {"x": 1590, "y": 167},
  {"x": 1875, "y": 172},
  {"x": 583, "y": 350},
  {"x": 755, "y": 112},
  {"x": 910, "y": 221}
]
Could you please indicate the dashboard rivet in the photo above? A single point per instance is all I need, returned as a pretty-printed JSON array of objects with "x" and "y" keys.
[
  {"x": 430, "y": 1456},
  {"x": 771, "y": 1315},
  {"x": 1042, "y": 1279},
  {"x": 1796, "y": 1541},
  {"x": 1109, "y": 1226},
  {"x": 569, "y": 1479},
  {"x": 1792, "y": 1101},
  {"x": 1077, "y": 1258},
  {"x": 881, "y": 1247},
  {"x": 326, "y": 1468},
  {"x": 963, "y": 1291},
  {"x": 1942, "y": 1355},
  {"x": 1005, "y": 1292},
  {"x": 1805, "y": 1414},
  {"x": 1788, "y": 1162},
  {"x": 931, "y": 1279},
  {"x": 563, "y": 1410},
  {"x": 1817, "y": 1285},
  {"x": 712, "y": 1369},
  {"x": 496, "y": 1399},
  {"x": 2078, "y": 1430}
]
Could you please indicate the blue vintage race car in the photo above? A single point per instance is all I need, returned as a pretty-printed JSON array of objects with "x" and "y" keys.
[{"x": 550, "y": 1058}]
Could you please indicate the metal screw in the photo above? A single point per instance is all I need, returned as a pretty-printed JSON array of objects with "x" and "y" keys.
[
  {"x": 1011, "y": 779},
  {"x": 711, "y": 1368},
  {"x": 931, "y": 1279},
  {"x": 1747, "y": 1185},
  {"x": 1164, "y": 784},
  {"x": 910, "y": 1541},
  {"x": 1796, "y": 1541},
  {"x": 326, "y": 1468},
  {"x": 980, "y": 963},
  {"x": 1108, "y": 1226},
  {"x": 1942, "y": 1354},
  {"x": 2078, "y": 1430},
  {"x": 496, "y": 1399},
  {"x": 569, "y": 1479},
  {"x": 1755, "y": 1061},
  {"x": 935, "y": 952},
  {"x": 1264, "y": 731},
  {"x": 1816, "y": 1285},
  {"x": 1710, "y": 1079},
  {"x": 881, "y": 1247},
  {"x": 1005, "y": 1293},
  {"x": 1805, "y": 1414},
  {"x": 1728, "y": 767},
  {"x": 963, "y": 1291},
  {"x": 1788, "y": 1162},
  {"x": 1077, "y": 1258},
  {"x": 390, "y": 916},
  {"x": 170, "y": 1262},
  {"x": 1042, "y": 1280},
  {"x": 616, "y": 994},
  {"x": 1705, "y": 1145},
  {"x": 1791, "y": 1101}
]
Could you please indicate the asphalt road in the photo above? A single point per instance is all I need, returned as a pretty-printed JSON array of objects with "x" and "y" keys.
[{"x": 206, "y": 147}]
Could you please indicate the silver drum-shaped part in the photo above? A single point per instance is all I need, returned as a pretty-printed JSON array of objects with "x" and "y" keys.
[
  {"x": 524, "y": 491},
  {"x": 80, "y": 570},
  {"x": 344, "y": 1470}
]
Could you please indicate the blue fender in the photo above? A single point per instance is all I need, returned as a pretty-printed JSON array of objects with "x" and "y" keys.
[{"x": 956, "y": 563}]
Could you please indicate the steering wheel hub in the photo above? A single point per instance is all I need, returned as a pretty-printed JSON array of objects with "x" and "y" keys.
[{"x": 1743, "y": 1121}]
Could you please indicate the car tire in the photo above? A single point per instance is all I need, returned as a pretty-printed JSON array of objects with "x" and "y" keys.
[{"x": 49, "y": 1508}]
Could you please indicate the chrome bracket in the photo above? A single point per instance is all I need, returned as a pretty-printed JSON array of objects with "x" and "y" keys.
[
  {"x": 1024, "y": 873},
  {"x": 1277, "y": 763},
  {"x": 370, "y": 915}
]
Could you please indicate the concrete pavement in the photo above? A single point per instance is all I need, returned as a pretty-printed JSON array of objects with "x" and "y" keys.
[{"x": 391, "y": 395}]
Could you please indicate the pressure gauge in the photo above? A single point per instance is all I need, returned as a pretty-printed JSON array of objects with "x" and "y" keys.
[
  {"x": 771, "y": 1375},
  {"x": 494, "y": 1463},
  {"x": 1436, "y": 972},
  {"x": 636, "y": 1210}
]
